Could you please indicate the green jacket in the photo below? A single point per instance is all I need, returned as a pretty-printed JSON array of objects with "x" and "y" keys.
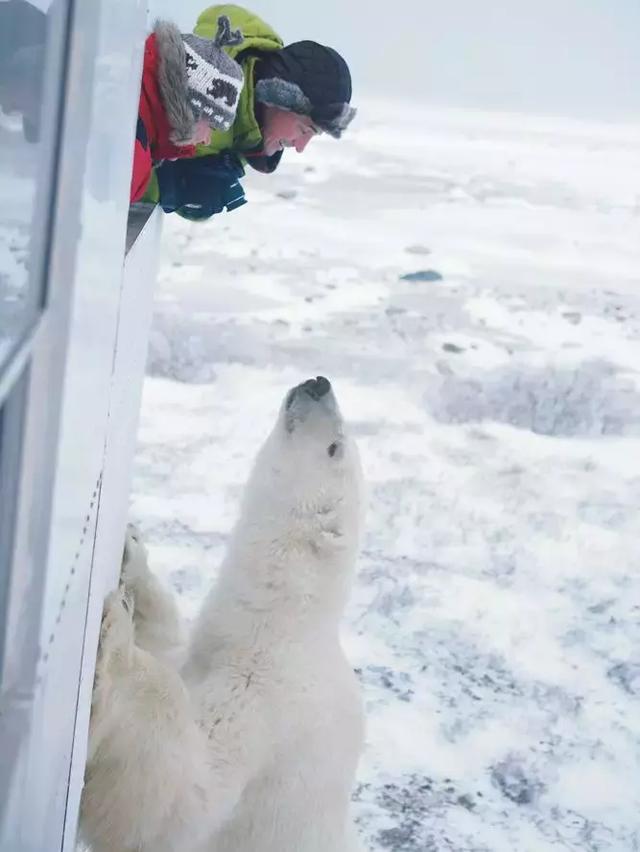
[{"x": 244, "y": 134}]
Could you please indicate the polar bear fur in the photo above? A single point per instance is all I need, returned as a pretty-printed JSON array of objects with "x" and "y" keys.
[{"x": 253, "y": 744}]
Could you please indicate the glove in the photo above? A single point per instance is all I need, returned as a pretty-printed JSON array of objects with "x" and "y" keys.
[{"x": 198, "y": 187}]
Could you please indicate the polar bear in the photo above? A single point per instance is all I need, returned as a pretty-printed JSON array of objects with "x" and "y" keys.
[{"x": 252, "y": 745}]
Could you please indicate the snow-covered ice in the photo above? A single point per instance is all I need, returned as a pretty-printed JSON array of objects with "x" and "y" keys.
[{"x": 495, "y": 621}]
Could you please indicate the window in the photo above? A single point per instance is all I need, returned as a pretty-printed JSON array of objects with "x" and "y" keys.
[{"x": 31, "y": 50}]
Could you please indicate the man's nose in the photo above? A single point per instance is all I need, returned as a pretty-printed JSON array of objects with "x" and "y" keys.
[{"x": 301, "y": 143}]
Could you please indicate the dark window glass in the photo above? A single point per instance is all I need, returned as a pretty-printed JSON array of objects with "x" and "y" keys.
[{"x": 31, "y": 50}]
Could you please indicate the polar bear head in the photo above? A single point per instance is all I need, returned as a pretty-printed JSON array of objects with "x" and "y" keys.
[{"x": 305, "y": 491}]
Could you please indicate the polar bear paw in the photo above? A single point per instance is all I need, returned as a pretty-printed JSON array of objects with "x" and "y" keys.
[
  {"x": 116, "y": 633},
  {"x": 135, "y": 565}
]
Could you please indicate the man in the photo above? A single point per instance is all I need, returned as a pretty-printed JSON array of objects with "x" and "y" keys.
[{"x": 290, "y": 94}]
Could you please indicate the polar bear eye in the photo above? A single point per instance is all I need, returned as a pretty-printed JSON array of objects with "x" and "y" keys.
[{"x": 332, "y": 449}]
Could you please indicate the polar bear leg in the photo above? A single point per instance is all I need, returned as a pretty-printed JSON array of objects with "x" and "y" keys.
[
  {"x": 155, "y": 615},
  {"x": 148, "y": 785}
]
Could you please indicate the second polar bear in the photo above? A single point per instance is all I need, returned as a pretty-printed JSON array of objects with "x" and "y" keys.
[{"x": 253, "y": 746}]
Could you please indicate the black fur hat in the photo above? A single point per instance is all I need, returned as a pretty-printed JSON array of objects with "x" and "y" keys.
[{"x": 309, "y": 79}]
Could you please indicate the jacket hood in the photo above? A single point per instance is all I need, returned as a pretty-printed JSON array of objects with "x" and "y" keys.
[
  {"x": 173, "y": 83},
  {"x": 258, "y": 35}
]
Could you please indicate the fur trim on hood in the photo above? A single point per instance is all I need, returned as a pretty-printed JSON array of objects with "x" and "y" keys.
[
  {"x": 173, "y": 82},
  {"x": 332, "y": 119}
]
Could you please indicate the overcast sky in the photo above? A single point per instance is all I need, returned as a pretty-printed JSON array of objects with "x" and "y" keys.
[{"x": 569, "y": 57}]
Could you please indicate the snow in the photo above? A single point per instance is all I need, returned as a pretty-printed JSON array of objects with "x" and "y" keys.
[{"x": 495, "y": 621}]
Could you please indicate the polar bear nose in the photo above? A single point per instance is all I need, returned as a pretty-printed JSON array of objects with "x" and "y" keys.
[
  {"x": 317, "y": 388},
  {"x": 312, "y": 389}
]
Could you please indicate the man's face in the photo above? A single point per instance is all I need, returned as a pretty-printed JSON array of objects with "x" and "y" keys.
[{"x": 284, "y": 129}]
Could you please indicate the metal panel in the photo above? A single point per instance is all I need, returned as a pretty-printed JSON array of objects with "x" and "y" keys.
[
  {"x": 75, "y": 370},
  {"x": 44, "y": 808},
  {"x": 37, "y": 367},
  {"x": 88, "y": 383},
  {"x": 98, "y": 275},
  {"x": 128, "y": 374},
  {"x": 11, "y": 428}
]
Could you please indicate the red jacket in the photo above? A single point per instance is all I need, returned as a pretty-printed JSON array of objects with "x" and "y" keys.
[{"x": 152, "y": 136}]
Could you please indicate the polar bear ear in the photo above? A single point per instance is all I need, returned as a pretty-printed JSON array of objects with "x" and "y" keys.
[{"x": 335, "y": 450}]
